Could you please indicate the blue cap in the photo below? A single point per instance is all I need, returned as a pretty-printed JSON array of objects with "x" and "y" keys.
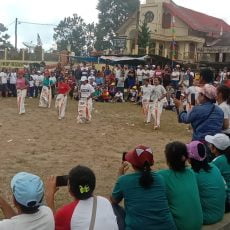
[{"x": 28, "y": 189}]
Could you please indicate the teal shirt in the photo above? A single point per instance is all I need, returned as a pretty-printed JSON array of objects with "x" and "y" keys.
[
  {"x": 212, "y": 194},
  {"x": 222, "y": 164},
  {"x": 47, "y": 82},
  {"x": 183, "y": 197},
  {"x": 145, "y": 208}
]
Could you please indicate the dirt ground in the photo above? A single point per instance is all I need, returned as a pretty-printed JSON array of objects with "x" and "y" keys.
[{"x": 38, "y": 142}]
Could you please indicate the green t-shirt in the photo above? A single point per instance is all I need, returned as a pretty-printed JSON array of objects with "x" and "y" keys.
[
  {"x": 222, "y": 164},
  {"x": 144, "y": 208},
  {"x": 183, "y": 197},
  {"x": 212, "y": 194},
  {"x": 47, "y": 82}
]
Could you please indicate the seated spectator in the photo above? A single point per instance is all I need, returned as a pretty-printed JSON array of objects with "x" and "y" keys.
[
  {"x": 28, "y": 192},
  {"x": 78, "y": 215},
  {"x": 223, "y": 100},
  {"x": 112, "y": 90},
  {"x": 119, "y": 97},
  {"x": 210, "y": 183},
  {"x": 220, "y": 147},
  {"x": 205, "y": 118},
  {"x": 143, "y": 192},
  {"x": 182, "y": 190},
  {"x": 97, "y": 94}
]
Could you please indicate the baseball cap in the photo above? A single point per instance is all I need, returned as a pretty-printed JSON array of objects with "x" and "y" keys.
[
  {"x": 28, "y": 189},
  {"x": 84, "y": 78},
  {"x": 138, "y": 156},
  {"x": 196, "y": 150},
  {"x": 220, "y": 141},
  {"x": 208, "y": 90}
]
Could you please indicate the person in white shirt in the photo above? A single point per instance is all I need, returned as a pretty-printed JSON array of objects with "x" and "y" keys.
[
  {"x": 156, "y": 102},
  {"x": 3, "y": 77},
  {"x": 146, "y": 93},
  {"x": 54, "y": 81},
  {"x": 85, "y": 104},
  {"x": 175, "y": 76},
  {"x": 31, "y": 87},
  {"x": 192, "y": 90},
  {"x": 140, "y": 74},
  {"x": 119, "y": 97},
  {"x": 78, "y": 215},
  {"x": 223, "y": 101},
  {"x": 118, "y": 72},
  {"x": 152, "y": 72},
  {"x": 28, "y": 192},
  {"x": 13, "y": 78}
]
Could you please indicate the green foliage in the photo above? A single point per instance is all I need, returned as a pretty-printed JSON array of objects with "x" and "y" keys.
[
  {"x": 112, "y": 14},
  {"x": 74, "y": 32},
  {"x": 144, "y": 35},
  {"x": 4, "y": 37}
]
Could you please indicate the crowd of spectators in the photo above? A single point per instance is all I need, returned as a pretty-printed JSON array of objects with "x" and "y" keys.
[{"x": 181, "y": 197}]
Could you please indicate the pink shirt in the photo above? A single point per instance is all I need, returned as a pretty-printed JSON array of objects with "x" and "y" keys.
[{"x": 21, "y": 83}]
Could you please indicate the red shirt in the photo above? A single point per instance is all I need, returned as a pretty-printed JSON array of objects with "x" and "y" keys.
[{"x": 63, "y": 88}]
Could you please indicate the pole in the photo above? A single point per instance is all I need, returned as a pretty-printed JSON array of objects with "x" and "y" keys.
[
  {"x": 173, "y": 38},
  {"x": 16, "y": 33}
]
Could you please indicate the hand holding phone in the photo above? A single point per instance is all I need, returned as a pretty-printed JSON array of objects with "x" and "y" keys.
[
  {"x": 193, "y": 99},
  {"x": 62, "y": 181}
]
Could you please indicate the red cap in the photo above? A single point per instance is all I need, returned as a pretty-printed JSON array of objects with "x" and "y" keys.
[{"x": 138, "y": 156}]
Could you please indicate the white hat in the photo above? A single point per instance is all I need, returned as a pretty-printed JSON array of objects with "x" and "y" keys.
[
  {"x": 220, "y": 141},
  {"x": 84, "y": 78},
  {"x": 153, "y": 66}
]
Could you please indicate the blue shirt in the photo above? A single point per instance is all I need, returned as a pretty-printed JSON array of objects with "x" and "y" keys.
[
  {"x": 144, "y": 208},
  {"x": 99, "y": 80},
  {"x": 202, "y": 125}
]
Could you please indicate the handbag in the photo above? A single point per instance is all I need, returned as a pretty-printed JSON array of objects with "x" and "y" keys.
[{"x": 94, "y": 210}]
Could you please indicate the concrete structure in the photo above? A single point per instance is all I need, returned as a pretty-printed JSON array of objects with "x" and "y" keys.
[
  {"x": 217, "y": 51},
  {"x": 192, "y": 30}
]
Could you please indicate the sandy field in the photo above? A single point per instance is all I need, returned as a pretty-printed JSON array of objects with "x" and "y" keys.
[{"x": 38, "y": 142}]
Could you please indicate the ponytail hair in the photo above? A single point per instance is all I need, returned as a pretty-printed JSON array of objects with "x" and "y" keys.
[{"x": 146, "y": 179}]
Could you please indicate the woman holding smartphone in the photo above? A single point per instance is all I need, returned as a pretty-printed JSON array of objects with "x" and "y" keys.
[{"x": 143, "y": 191}]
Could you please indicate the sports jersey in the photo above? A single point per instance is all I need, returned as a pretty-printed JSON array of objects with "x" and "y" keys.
[{"x": 86, "y": 90}]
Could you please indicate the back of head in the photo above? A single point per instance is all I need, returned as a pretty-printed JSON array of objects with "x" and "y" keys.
[
  {"x": 207, "y": 76},
  {"x": 141, "y": 158},
  {"x": 225, "y": 93},
  {"x": 82, "y": 182},
  {"x": 28, "y": 192},
  {"x": 176, "y": 156}
]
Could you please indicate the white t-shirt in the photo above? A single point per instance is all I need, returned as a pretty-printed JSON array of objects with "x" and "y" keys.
[
  {"x": 151, "y": 73},
  {"x": 158, "y": 92},
  {"x": 121, "y": 82},
  {"x": 13, "y": 78},
  {"x": 119, "y": 95},
  {"x": 226, "y": 109},
  {"x": 175, "y": 76},
  {"x": 117, "y": 73},
  {"x": 3, "y": 77},
  {"x": 140, "y": 74},
  {"x": 192, "y": 90},
  {"x": 147, "y": 92},
  {"x": 86, "y": 90},
  {"x": 42, "y": 220}
]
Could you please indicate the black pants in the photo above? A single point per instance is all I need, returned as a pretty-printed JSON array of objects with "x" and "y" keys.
[{"x": 13, "y": 90}]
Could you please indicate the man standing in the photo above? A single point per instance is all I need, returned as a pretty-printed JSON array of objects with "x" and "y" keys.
[
  {"x": 146, "y": 92},
  {"x": 3, "y": 77},
  {"x": 85, "y": 103},
  {"x": 13, "y": 78}
]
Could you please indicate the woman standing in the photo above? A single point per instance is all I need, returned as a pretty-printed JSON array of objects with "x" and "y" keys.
[
  {"x": 61, "y": 100},
  {"x": 21, "y": 86},
  {"x": 46, "y": 94}
]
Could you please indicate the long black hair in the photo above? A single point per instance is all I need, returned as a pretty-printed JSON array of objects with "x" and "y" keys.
[
  {"x": 146, "y": 179},
  {"x": 225, "y": 92},
  {"x": 176, "y": 155}
]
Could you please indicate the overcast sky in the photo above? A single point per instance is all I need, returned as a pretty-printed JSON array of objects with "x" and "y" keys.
[{"x": 51, "y": 12}]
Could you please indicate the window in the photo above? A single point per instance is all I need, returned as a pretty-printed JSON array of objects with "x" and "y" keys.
[
  {"x": 149, "y": 16},
  {"x": 166, "y": 20}
]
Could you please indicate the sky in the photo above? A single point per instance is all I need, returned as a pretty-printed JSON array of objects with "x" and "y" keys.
[{"x": 51, "y": 12}]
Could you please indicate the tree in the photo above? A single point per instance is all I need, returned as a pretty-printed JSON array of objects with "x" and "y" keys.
[
  {"x": 144, "y": 35},
  {"x": 4, "y": 37},
  {"x": 74, "y": 32},
  {"x": 112, "y": 14}
]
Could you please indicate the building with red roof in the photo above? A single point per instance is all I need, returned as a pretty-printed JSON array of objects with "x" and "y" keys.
[{"x": 176, "y": 32}]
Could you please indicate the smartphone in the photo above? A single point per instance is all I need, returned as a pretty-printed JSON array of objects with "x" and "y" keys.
[
  {"x": 178, "y": 94},
  {"x": 61, "y": 181},
  {"x": 193, "y": 99},
  {"x": 123, "y": 156}
]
